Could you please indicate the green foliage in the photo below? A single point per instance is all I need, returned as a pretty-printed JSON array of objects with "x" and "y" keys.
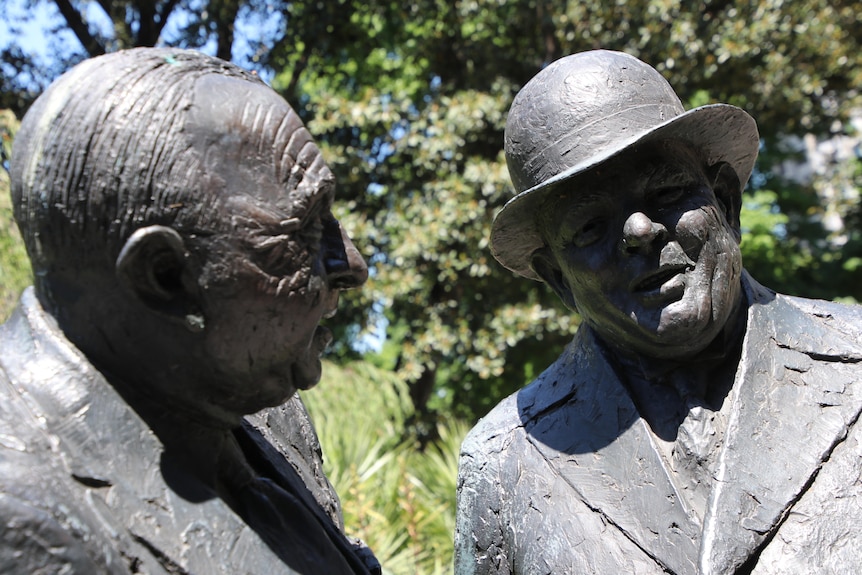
[
  {"x": 397, "y": 498},
  {"x": 15, "y": 272},
  {"x": 416, "y": 144},
  {"x": 76, "y": 29},
  {"x": 793, "y": 65},
  {"x": 408, "y": 101},
  {"x": 769, "y": 254},
  {"x": 789, "y": 247}
]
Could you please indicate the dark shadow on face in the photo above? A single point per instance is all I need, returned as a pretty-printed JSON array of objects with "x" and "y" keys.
[
  {"x": 644, "y": 251},
  {"x": 629, "y": 280}
]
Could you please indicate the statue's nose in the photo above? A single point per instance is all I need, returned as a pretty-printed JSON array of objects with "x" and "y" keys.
[
  {"x": 641, "y": 234},
  {"x": 345, "y": 266}
]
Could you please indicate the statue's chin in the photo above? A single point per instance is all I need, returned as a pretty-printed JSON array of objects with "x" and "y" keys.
[
  {"x": 306, "y": 374},
  {"x": 306, "y": 370},
  {"x": 678, "y": 330}
]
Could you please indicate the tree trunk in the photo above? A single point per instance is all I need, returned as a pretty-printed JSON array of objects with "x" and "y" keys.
[
  {"x": 226, "y": 12},
  {"x": 79, "y": 27}
]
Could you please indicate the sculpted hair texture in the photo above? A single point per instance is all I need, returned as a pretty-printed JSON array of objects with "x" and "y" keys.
[{"x": 102, "y": 153}]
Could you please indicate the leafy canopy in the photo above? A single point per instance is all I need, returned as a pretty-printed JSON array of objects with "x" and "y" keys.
[{"x": 408, "y": 101}]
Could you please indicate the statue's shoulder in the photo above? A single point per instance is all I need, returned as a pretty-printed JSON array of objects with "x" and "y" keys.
[
  {"x": 507, "y": 421},
  {"x": 35, "y": 542},
  {"x": 47, "y": 530},
  {"x": 806, "y": 323},
  {"x": 760, "y": 295},
  {"x": 844, "y": 316},
  {"x": 817, "y": 327},
  {"x": 494, "y": 428}
]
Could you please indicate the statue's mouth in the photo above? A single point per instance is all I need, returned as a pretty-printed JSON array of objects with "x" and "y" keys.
[
  {"x": 306, "y": 368},
  {"x": 332, "y": 306},
  {"x": 654, "y": 280},
  {"x": 322, "y": 339}
]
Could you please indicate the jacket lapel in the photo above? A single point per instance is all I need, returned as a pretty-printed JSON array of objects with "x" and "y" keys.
[
  {"x": 114, "y": 459},
  {"x": 582, "y": 420},
  {"x": 794, "y": 399}
]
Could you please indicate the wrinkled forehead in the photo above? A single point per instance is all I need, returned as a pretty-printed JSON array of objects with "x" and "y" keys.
[{"x": 256, "y": 144}]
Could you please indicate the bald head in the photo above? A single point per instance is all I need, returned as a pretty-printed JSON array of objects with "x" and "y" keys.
[{"x": 132, "y": 139}]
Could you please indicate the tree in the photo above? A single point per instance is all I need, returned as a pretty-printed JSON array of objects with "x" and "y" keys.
[
  {"x": 15, "y": 272},
  {"x": 417, "y": 147},
  {"x": 408, "y": 100},
  {"x": 108, "y": 25}
]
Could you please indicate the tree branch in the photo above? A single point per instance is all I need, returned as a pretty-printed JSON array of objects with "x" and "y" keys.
[
  {"x": 226, "y": 11},
  {"x": 164, "y": 13},
  {"x": 546, "y": 24},
  {"x": 106, "y": 6},
  {"x": 79, "y": 27},
  {"x": 298, "y": 69}
]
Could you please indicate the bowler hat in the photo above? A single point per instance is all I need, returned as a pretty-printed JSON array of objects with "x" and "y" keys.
[{"x": 585, "y": 109}]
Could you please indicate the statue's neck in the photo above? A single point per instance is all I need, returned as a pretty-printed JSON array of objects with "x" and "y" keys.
[
  {"x": 665, "y": 390},
  {"x": 202, "y": 447}
]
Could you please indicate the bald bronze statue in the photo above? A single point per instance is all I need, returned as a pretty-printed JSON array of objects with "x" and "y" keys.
[
  {"x": 178, "y": 219},
  {"x": 699, "y": 423}
]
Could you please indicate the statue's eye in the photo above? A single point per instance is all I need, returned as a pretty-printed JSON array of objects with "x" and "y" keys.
[
  {"x": 314, "y": 225},
  {"x": 275, "y": 255},
  {"x": 312, "y": 232},
  {"x": 590, "y": 232},
  {"x": 284, "y": 254},
  {"x": 668, "y": 197}
]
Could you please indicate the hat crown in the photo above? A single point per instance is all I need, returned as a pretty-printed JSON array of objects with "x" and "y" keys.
[{"x": 581, "y": 107}]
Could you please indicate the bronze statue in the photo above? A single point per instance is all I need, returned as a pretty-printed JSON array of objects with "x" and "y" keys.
[
  {"x": 699, "y": 422},
  {"x": 177, "y": 216}
]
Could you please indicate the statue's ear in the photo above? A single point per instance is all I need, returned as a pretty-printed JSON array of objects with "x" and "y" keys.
[
  {"x": 151, "y": 267},
  {"x": 546, "y": 267},
  {"x": 728, "y": 191}
]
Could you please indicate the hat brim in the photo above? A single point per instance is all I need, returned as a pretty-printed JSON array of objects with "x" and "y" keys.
[{"x": 723, "y": 132}]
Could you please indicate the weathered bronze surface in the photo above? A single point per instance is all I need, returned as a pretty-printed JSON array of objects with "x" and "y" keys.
[
  {"x": 699, "y": 422},
  {"x": 177, "y": 216}
]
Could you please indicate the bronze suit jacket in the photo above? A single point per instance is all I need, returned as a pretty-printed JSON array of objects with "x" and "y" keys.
[
  {"x": 84, "y": 488},
  {"x": 564, "y": 477}
]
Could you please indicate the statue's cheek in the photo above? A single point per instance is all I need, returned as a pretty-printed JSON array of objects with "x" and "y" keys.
[{"x": 697, "y": 227}]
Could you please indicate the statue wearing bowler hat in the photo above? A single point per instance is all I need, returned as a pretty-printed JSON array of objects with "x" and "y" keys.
[{"x": 698, "y": 422}]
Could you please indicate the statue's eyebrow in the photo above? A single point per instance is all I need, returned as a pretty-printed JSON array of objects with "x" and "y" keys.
[
  {"x": 565, "y": 209},
  {"x": 274, "y": 223},
  {"x": 684, "y": 166},
  {"x": 574, "y": 201},
  {"x": 287, "y": 226}
]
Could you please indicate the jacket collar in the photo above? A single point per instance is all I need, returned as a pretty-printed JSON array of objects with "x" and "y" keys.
[
  {"x": 796, "y": 396},
  {"x": 100, "y": 441}
]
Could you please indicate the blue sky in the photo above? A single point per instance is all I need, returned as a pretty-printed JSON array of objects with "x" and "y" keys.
[
  {"x": 31, "y": 33},
  {"x": 30, "y": 28}
]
